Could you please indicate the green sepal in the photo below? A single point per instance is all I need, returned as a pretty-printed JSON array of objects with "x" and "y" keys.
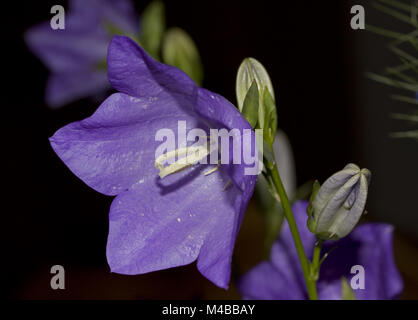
[
  {"x": 270, "y": 117},
  {"x": 249, "y": 70},
  {"x": 315, "y": 188},
  {"x": 152, "y": 28},
  {"x": 347, "y": 292},
  {"x": 268, "y": 157},
  {"x": 250, "y": 105},
  {"x": 179, "y": 50},
  {"x": 323, "y": 235},
  {"x": 311, "y": 224}
]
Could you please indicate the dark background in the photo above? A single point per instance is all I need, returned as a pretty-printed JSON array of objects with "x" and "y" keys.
[{"x": 332, "y": 114}]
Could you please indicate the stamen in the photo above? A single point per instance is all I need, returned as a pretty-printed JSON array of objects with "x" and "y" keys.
[
  {"x": 228, "y": 183},
  {"x": 214, "y": 169},
  {"x": 193, "y": 155}
]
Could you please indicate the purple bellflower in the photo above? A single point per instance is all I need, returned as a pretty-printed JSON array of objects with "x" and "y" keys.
[
  {"x": 158, "y": 223},
  {"x": 369, "y": 245},
  {"x": 76, "y": 55}
]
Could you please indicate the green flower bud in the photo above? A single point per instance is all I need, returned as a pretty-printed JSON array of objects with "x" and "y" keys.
[
  {"x": 152, "y": 27},
  {"x": 339, "y": 203},
  {"x": 251, "y": 74},
  {"x": 179, "y": 50},
  {"x": 250, "y": 70}
]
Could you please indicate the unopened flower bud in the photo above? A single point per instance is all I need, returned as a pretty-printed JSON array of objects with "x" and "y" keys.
[
  {"x": 255, "y": 97},
  {"x": 252, "y": 70},
  {"x": 339, "y": 203},
  {"x": 179, "y": 50}
]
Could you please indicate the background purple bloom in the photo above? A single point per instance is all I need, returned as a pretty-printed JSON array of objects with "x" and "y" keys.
[
  {"x": 157, "y": 224},
  {"x": 369, "y": 245},
  {"x": 76, "y": 56}
]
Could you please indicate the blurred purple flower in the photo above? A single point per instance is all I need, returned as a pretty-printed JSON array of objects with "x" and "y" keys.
[
  {"x": 157, "y": 223},
  {"x": 76, "y": 56},
  {"x": 369, "y": 245}
]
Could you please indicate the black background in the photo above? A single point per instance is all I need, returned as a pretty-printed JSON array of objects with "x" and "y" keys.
[{"x": 51, "y": 217}]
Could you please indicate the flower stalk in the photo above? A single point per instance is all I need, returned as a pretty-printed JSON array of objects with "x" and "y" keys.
[
  {"x": 304, "y": 262},
  {"x": 316, "y": 261}
]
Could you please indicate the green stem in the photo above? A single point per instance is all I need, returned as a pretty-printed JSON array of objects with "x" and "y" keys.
[
  {"x": 316, "y": 262},
  {"x": 277, "y": 182}
]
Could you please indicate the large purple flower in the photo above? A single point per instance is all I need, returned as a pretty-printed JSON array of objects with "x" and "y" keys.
[
  {"x": 158, "y": 223},
  {"x": 76, "y": 56},
  {"x": 369, "y": 245}
]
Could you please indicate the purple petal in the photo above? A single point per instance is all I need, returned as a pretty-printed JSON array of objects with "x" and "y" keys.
[
  {"x": 371, "y": 246},
  {"x": 213, "y": 260},
  {"x": 132, "y": 71},
  {"x": 121, "y": 13},
  {"x": 115, "y": 147},
  {"x": 220, "y": 113},
  {"x": 266, "y": 282},
  {"x": 74, "y": 48},
  {"x": 150, "y": 229},
  {"x": 75, "y": 55},
  {"x": 155, "y": 224},
  {"x": 64, "y": 88},
  {"x": 84, "y": 41},
  {"x": 284, "y": 255},
  {"x": 285, "y": 237},
  {"x": 284, "y": 264}
]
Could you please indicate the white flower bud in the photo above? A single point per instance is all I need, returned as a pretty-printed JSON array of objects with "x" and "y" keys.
[{"x": 340, "y": 202}]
